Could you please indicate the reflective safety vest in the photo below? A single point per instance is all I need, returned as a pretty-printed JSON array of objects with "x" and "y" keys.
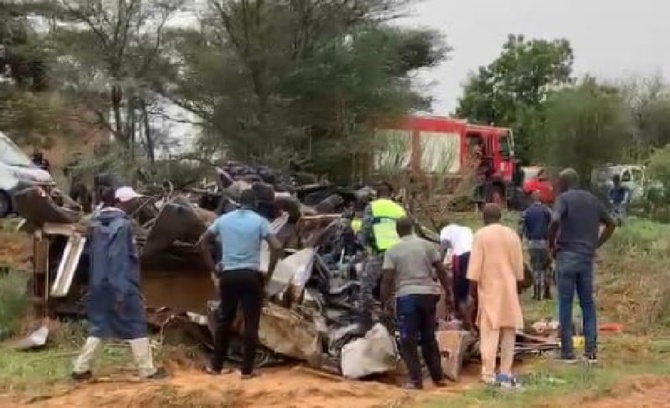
[
  {"x": 356, "y": 225},
  {"x": 385, "y": 213}
]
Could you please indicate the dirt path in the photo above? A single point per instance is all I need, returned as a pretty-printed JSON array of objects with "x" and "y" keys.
[
  {"x": 287, "y": 388},
  {"x": 295, "y": 388}
]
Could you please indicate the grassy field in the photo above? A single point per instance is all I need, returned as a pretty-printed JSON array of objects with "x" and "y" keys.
[{"x": 633, "y": 288}]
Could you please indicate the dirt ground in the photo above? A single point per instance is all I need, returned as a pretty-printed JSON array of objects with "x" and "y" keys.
[
  {"x": 281, "y": 387},
  {"x": 295, "y": 388},
  {"x": 15, "y": 250}
]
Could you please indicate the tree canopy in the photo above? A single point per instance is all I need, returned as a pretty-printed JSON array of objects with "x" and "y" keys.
[{"x": 510, "y": 90}]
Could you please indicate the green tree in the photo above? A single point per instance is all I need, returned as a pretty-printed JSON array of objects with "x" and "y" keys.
[
  {"x": 112, "y": 59},
  {"x": 585, "y": 126},
  {"x": 27, "y": 117},
  {"x": 510, "y": 90},
  {"x": 649, "y": 102},
  {"x": 303, "y": 78}
]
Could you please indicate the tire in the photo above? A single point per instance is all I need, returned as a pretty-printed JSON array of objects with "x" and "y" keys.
[{"x": 5, "y": 204}]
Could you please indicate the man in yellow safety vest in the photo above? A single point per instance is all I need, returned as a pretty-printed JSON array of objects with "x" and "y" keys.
[{"x": 378, "y": 234}]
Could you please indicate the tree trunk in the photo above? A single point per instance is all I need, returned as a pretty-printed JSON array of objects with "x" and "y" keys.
[{"x": 148, "y": 136}]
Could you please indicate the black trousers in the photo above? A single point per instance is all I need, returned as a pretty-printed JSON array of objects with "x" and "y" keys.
[
  {"x": 416, "y": 318},
  {"x": 245, "y": 287}
]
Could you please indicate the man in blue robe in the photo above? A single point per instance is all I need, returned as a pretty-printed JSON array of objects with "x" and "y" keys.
[{"x": 114, "y": 305}]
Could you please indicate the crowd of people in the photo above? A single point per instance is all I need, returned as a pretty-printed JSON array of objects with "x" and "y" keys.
[{"x": 403, "y": 271}]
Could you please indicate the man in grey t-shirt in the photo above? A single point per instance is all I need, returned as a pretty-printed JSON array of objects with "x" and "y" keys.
[{"x": 414, "y": 265}]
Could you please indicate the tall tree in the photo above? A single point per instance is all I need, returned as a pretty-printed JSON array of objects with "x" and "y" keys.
[
  {"x": 28, "y": 118},
  {"x": 113, "y": 58},
  {"x": 649, "y": 101},
  {"x": 585, "y": 126},
  {"x": 510, "y": 90},
  {"x": 299, "y": 77}
]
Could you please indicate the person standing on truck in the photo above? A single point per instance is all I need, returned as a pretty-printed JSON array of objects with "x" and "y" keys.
[
  {"x": 458, "y": 238},
  {"x": 496, "y": 266},
  {"x": 409, "y": 267},
  {"x": 239, "y": 234},
  {"x": 378, "y": 234},
  {"x": 534, "y": 227},
  {"x": 574, "y": 236},
  {"x": 114, "y": 304}
]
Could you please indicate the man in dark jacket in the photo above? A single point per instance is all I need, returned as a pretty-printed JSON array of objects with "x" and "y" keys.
[
  {"x": 114, "y": 305},
  {"x": 534, "y": 228}
]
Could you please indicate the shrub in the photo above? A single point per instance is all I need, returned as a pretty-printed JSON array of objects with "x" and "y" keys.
[{"x": 13, "y": 302}]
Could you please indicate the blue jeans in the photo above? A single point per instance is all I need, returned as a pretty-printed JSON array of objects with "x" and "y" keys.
[
  {"x": 575, "y": 273},
  {"x": 539, "y": 258}
]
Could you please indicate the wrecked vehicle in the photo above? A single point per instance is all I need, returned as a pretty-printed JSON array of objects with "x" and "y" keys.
[{"x": 310, "y": 316}]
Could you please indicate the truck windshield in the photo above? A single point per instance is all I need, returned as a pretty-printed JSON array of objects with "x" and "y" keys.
[{"x": 11, "y": 154}]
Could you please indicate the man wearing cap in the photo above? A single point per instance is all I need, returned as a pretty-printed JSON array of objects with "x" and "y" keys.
[
  {"x": 378, "y": 234},
  {"x": 114, "y": 305},
  {"x": 239, "y": 234}
]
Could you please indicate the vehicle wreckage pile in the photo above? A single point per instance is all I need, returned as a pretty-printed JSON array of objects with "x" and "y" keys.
[{"x": 311, "y": 314}]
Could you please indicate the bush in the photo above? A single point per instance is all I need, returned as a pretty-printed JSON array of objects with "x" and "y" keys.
[
  {"x": 633, "y": 281},
  {"x": 13, "y": 302}
]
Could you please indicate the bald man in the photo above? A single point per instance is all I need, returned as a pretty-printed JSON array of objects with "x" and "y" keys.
[
  {"x": 574, "y": 237},
  {"x": 495, "y": 268}
]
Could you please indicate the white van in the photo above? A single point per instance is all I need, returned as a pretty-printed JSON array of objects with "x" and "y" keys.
[{"x": 17, "y": 172}]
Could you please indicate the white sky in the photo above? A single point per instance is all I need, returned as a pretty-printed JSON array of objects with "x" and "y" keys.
[{"x": 611, "y": 39}]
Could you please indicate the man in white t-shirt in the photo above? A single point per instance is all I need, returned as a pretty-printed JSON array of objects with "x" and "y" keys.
[{"x": 459, "y": 239}]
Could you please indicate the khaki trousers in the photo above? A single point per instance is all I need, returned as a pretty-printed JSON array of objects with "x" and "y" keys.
[
  {"x": 489, "y": 341},
  {"x": 141, "y": 349}
]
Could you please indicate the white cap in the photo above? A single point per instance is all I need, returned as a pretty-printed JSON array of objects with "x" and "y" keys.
[{"x": 125, "y": 194}]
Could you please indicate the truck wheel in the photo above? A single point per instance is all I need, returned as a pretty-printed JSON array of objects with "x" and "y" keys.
[{"x": 5, "y": 204}]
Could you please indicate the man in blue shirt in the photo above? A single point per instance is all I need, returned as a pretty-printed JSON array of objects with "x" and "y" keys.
[
  {"x": 239, "y": 234},
  {"x": 618, "y": 196},
  {"x": 534, "y": 228},
  {"x": 574, "y": 236}
]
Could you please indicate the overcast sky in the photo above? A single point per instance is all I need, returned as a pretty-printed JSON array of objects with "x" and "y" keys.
[{"x": 611, "y": 38}]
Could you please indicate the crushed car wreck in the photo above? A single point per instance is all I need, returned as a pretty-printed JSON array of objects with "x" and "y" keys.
[{"x": 310, "y": 316}]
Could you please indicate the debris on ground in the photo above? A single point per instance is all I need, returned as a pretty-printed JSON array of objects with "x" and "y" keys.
[{"x": 310, "y": 316}]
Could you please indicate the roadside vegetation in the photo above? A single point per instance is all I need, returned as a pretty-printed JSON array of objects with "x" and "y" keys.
[{"x": 632, "y": 290}]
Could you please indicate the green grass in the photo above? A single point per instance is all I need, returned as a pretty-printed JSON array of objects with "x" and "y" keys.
[
  {"x": 13, "y": 302},
  {"x": 34, "y": 375},
  {"x": 633, "y": 284},
  {"x": 550, "y": 385},
  {"x": 633, "y": 288}
]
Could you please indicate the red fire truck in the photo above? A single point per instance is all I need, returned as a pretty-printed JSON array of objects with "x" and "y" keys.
[{"x": 434, "y": 144}]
